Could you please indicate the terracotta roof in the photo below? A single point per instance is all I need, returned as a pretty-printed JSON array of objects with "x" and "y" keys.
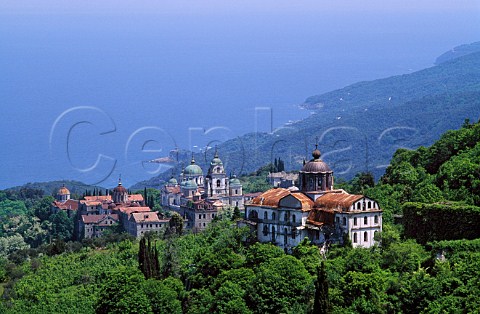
[
  {"x": 320, "y": 217},
  {"x": 336, "y": 200},
  {"x": 271, "y": 197},
  {"x": 91, "y": 203},
  {"x": 100, "y": 198},
  {"x": 89, "y": 219},
  {"x": 252, "y": 194},
  {"x": 68, "y": 204},
  {"x": 135, "y": 197},
  {"x": 129, "y": 210},
  {"x": 145, "y": 217},
  {"x": 172, "y": 189},
  {"x": 307, "y": 203}
]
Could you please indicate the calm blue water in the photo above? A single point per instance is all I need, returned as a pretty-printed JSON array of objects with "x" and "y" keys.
[{"x": 154, "y": 82}]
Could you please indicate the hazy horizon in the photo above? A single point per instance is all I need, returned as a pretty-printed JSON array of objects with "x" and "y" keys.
[{"x": 177, "y": 65}]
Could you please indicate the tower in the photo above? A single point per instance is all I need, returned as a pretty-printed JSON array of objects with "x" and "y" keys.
[
  {"x": 316, "y": 175},
  {"x": 216, "y": 182}
]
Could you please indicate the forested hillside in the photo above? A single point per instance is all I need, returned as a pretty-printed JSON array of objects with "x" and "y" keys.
[{"x": 360, "y": 126}]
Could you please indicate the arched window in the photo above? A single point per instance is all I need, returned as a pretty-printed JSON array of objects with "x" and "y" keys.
[
  {"x": 265, "y": 215},
  {"x": 253, "y": 214},
  {"x": 365, "y": 220},
  {"x": 365, "y": 236},
  {"x": 293, "y": 218},
  {"x": 265, "y": 230},
  {"x": 369, "y": 204},
  {"x": 375, "y": 219},
  {"x": 218, "y": 183},
  {"x": 344, "y": 221},
  {"x": 358, "y": 205},
  {"x": 355, "y": 237},
  {"x": 355, "y": 221},
  {"x": 273, "y": 216}
]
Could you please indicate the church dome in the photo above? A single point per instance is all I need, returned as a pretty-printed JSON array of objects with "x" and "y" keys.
[
  {"x": 172, "y": 181},
  {"x": 316, "y": 164},
  {"x": 216, "y": 161},
  {"x": 190, "y": 185},
  {"x": 63, "y": 191},
  {"x": 192, "y": 169},
  {"x": 120, "y": 188},
  {"x": 235, "y": 182}
]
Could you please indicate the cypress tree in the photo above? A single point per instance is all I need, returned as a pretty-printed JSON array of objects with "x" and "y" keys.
[{"x": 321, "y": 303}]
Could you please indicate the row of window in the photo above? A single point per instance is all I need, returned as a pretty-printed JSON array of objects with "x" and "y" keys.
[
  {"x": 366, "y": 205},
  {"x": 365, "y": 220},
  {"x": 286, "y": 216},
  {"x": 365, "y": 237},
  {"x": 266, "y": 231},
  {"x": 205, "y": 216}
]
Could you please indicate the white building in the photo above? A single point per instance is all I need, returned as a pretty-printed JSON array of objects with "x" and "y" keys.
[{"x": 316, "y": 211}]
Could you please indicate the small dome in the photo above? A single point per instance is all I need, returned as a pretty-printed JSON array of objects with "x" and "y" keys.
[
  {"x": 293, "y": 188},
  {"x": 190, "y": 185},
  {"x": 216, "y": 161},
  {"x": 316, "y": 164},
  {"x": 63, "y": 191},
  {"x": 120, "y": 188},
  {"x": 192, "y": 169},
  {"x": 172, "y": 181},
  {"x": 235, "y": 182}
]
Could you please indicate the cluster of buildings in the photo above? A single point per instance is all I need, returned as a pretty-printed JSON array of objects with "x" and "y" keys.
[
  {"x": 93, "y": 215},
  {"x": 302, "y": 205},
  {"x": 314, "y": 210},
  {"x": 199, "y": 198}
]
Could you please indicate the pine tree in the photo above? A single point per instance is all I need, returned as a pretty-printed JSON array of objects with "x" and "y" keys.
[{"x": 321, "y": 303}]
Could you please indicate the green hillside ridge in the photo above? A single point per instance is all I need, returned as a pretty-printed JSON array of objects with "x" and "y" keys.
[
  {"x": 362, "y": 131},
  {"x": 51, "y": 187}
]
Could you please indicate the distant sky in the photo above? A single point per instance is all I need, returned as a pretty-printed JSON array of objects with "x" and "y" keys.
[
  {"x": 181, "y": 64},
  {"x": 223, "y": 6}
]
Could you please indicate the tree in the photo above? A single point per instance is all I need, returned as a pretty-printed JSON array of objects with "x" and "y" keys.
[
  {"x": 163, "y": 299},
  {"x": 122, "y": 292},
  {"x": 321, "y": 304},
  {"x": 176, "y": 223},
  {"x": 236, "y": 214},
  {"x": 148, "y": 259}
]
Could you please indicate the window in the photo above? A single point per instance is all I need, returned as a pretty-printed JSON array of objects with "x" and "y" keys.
[
  {"x": 273, "y": 233},
  {"x": 358, "y": 205},
  {"x": 294, "y": 233},
  {"x": 369, "y": 204},
  {"x": 199, "y": 216},
  {"x": 236, "y": 191},
  {"x": 265, "y": 215},
  {"x": 204, "y": 216},
  {"x": 355, "y": 221},
  {"x": 273, "y": 216},
  {"x": 355, "y": 237},
  {"x": 365, "y": 220},
  {"x": 365, "y": 236},
  {"x": 293, "y": 218},
  {"x": 375, "y": 219},
  {"x": 265, "y": 230},
  {"x": 337, "y": 220},
  {"x": 218, "y": 183},
  {"x": 344, "y": 221}
]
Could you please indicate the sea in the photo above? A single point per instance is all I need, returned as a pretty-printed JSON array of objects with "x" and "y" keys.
[{"x": 91, "y": 97}]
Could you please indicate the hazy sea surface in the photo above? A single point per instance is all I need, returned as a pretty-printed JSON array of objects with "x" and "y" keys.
[{"x": 131, "y": 88}]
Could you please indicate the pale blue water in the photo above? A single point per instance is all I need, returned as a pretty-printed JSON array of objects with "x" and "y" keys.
[{"x": 177, "y": 74}]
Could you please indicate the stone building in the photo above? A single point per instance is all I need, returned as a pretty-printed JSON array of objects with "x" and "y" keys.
[
  {"x": 64, "y": 202},
  {"x": 315, "y": 211},
  {"x": 96, "y": 214}
]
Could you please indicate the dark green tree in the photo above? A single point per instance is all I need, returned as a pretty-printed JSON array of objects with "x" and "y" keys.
[{"x": 321, "y": 303}]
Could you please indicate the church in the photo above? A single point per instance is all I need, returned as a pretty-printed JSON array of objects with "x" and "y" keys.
[
  {"x": 315, "y": 210},
  {"x": 199, "y": 198}
]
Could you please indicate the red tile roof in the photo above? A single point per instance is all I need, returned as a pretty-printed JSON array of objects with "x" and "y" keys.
[
  {"x": 146, "y": 217},
  {"x": 89, "y": 219},
  {"x": 135, "y": 198},
  {"x": 98, "y": 198},
  {"x": 337, "y": 200},
  {"x": 271, "y": 197},
  {"x": 68, "y": 204},
  {"x": 307, "y": 203},
  {"x": 320, "y": 217}
]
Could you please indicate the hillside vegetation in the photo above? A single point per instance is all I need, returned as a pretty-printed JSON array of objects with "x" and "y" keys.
[{"x": 359, "y": 127}]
